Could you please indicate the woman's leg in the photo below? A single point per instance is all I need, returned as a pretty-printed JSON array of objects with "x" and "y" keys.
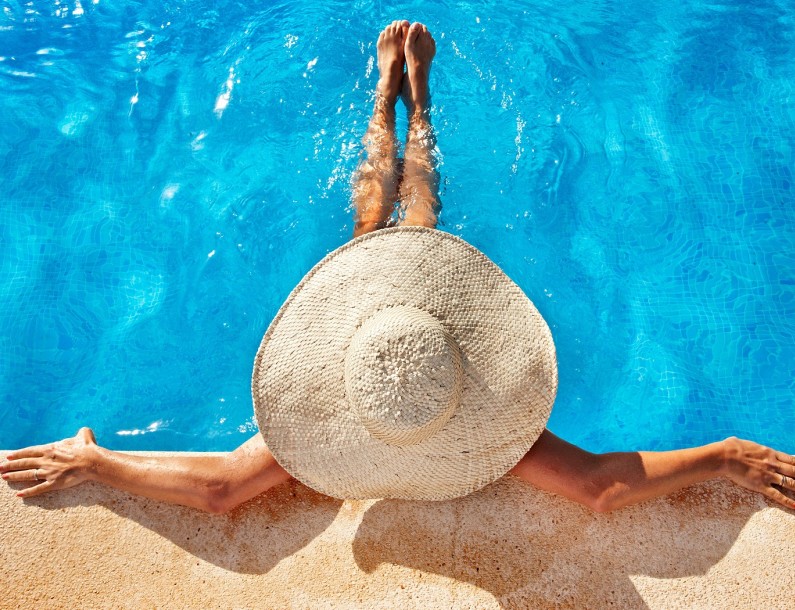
[
  {"x": 419, "y": 189},
  {"x": 375, "y": 182}
]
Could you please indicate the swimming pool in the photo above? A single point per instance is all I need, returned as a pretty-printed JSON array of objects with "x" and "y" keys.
[{"x": 172, "y": 169}]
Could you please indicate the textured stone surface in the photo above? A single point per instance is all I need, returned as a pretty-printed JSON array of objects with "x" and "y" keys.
[{"x": 507, "y": 546}]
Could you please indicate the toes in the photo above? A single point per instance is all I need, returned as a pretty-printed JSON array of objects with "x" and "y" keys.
[
  {"x": 414, "y": 31},
  {"x": 398, "y": 27},
  {"x": 389, "y": 30}
]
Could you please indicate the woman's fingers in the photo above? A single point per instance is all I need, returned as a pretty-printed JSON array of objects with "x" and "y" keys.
[
  {"x": 25, "y": 471},
  {"x": 786, "y": 458},
  {"x": 35, "y": 490},
  {"x": 783, "y": 473},
  {"x": 51, "y": 466},
  {"x": 785, "y": 482},
  {"x": 762, "y": 469},
  {"x": 84, "y": 434},
  {"x": 21, "y": 464},
  {"x": 27, "y": 452},
  {"x": 775, "y": 495},
  {"x": 786, "y": 470},
  {"x": 23, "y": 476}
]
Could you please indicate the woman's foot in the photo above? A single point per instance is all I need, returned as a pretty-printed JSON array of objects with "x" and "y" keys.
[
  {"x": 419, "y": 49},
  {"x": 391, "y": 59}
]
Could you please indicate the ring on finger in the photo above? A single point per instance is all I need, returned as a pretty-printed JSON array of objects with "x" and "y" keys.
[
  {"x": 784, "y": 481},
  {"x": 36, "y": 475}
]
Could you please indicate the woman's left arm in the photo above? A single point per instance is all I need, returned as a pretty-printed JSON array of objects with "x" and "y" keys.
[{"x": 605, "y": 482}]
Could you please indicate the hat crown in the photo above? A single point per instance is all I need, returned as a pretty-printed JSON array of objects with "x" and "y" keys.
[{"x": 403, "y": 375}]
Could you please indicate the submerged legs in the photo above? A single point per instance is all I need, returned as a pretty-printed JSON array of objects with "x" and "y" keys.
[
  {"x": 376, "y": 180},
  {"x": 419, "y": 189},
  {"x": 378, "y": 183}
]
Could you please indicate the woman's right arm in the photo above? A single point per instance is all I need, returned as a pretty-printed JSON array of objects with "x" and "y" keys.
[{"x": 213, "y": 483}]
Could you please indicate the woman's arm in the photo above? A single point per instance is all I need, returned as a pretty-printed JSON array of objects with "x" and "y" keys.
[
  {"x": 214, "y": 483},
  {"x": 613, "y": 480}
]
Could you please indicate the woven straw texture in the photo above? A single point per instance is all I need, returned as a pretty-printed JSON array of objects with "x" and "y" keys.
[{"x": 404, "y": 365}]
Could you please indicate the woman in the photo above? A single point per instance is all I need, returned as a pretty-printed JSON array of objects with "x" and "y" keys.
[{"x": 216, "y": 483}]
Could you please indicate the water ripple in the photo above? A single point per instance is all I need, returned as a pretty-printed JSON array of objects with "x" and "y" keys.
[{"x": 172, "y": 169}]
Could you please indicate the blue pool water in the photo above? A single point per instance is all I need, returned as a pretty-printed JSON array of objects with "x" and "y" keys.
[{"x": 170, "y": 170}]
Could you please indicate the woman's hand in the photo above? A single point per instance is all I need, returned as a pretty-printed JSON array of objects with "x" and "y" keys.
[
  {"x": 54, "y": 466},
  {"x": 760, "y": 469}
]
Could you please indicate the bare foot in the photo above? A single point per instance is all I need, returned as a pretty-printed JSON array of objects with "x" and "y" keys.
[
  {"x": 391, "y": 59},
  {"x": 419, "y": 49}
]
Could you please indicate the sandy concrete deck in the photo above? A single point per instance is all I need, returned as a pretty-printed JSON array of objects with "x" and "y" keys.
[{"x": 507, "y": 546}]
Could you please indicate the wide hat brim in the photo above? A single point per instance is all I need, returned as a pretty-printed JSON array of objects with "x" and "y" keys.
[{"x": 509, "y": 369}]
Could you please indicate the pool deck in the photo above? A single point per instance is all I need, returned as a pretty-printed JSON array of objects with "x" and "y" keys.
[{"x": 507, "y": 546}]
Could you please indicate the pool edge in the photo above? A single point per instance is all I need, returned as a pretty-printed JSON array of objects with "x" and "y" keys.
[{"x": 509, "y": 545}]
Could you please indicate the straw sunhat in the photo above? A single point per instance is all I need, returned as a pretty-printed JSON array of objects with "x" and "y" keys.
[{"x": 404, "y": 365}]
